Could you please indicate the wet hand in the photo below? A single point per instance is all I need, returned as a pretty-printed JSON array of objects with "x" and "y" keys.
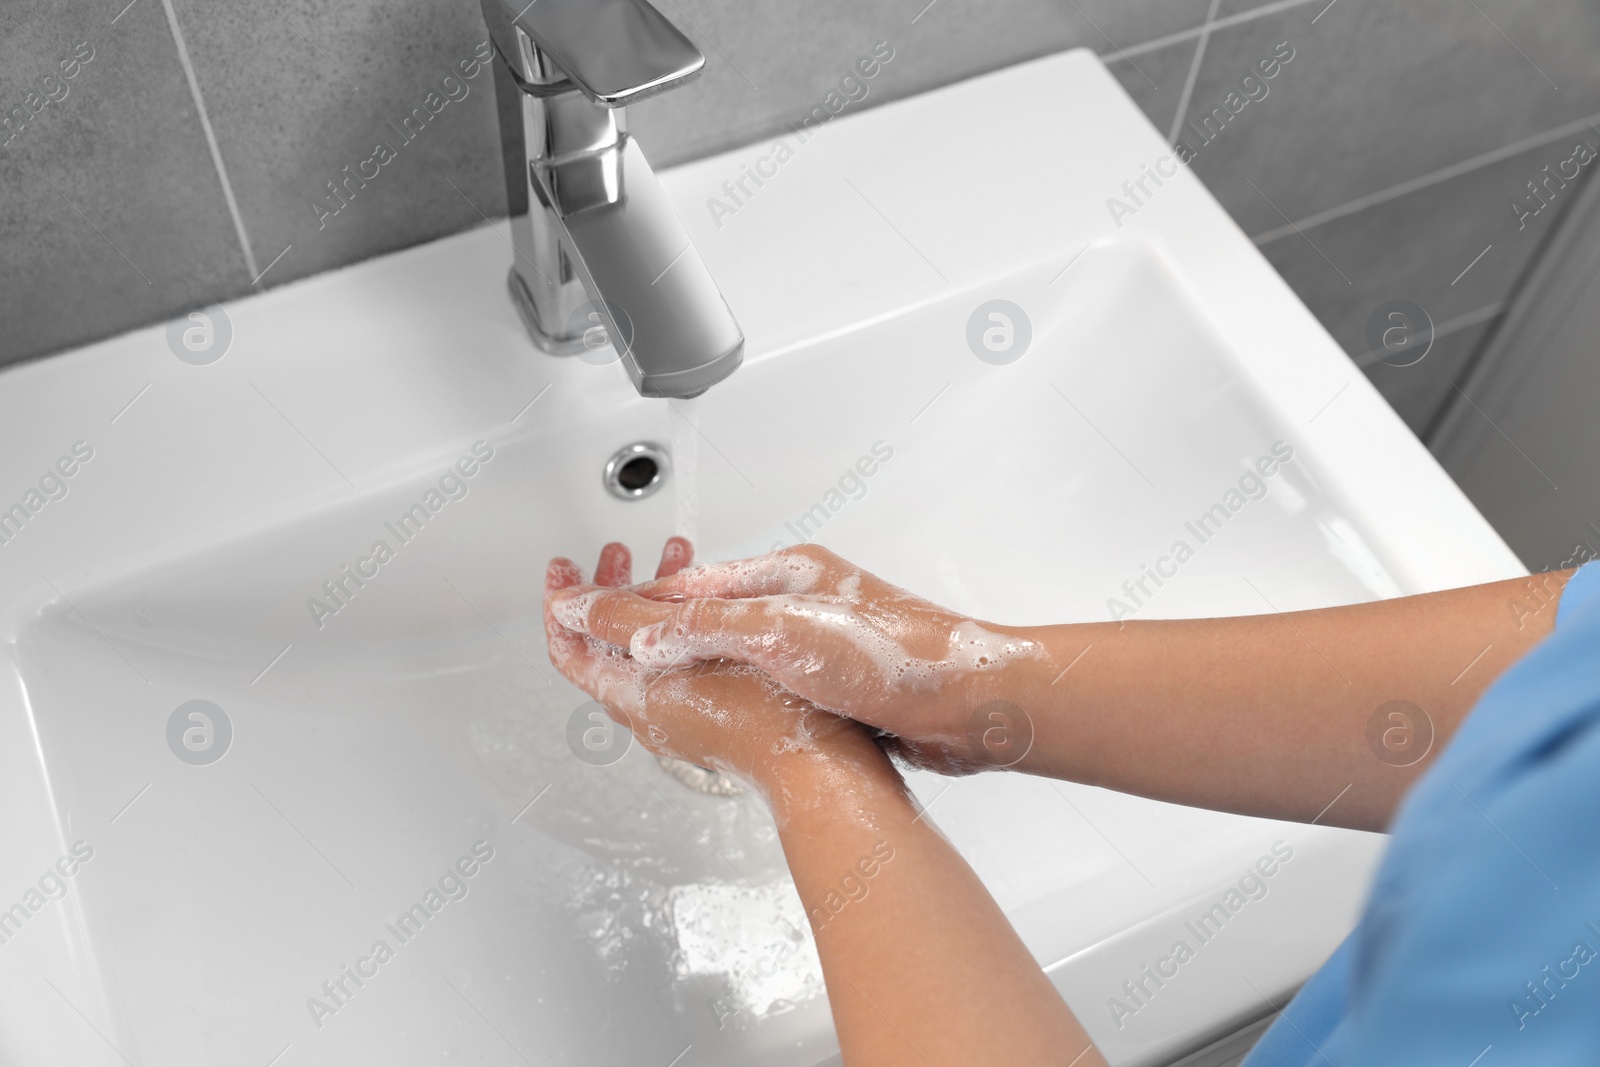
[
  {"x": 824, "y": 629},
  {"x": 730, "y": 717}
]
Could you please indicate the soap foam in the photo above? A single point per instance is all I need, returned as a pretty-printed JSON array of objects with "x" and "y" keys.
[
  {"x": 876, "y": 665},
  {"x": 778, "y": 572},
  {"x": 573, "y": 612}
]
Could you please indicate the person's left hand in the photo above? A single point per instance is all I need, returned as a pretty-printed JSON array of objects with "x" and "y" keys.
[{"x": 729, "y": 717}]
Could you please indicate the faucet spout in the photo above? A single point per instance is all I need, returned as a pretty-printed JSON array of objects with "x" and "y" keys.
[
  {"x": 659, "y": 305},
  {"x": 599, "y": 254}
]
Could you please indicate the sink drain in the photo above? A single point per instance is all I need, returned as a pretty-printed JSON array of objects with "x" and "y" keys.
[{"x": 637, "y": 471}]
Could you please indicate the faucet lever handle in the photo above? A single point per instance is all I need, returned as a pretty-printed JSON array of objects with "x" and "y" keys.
[{"x": 616, "y": 52}]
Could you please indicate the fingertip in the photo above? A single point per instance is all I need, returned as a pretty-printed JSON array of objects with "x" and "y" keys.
[
  {"x": 676, "y": 554},
  {"x": 572, "y": 610},
  {"x": 648, "y": 650},
  {"x": 644, "y": 640},
  {"x": 561, "y": 574},
  {"x": 615, "y": 566}
]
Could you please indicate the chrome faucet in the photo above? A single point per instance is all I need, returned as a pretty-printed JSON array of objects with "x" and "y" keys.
[{"x": 596, "y": 244}]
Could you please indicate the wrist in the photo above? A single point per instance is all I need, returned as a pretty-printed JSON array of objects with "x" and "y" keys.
[
  {"x": 838, "y": 782},
  {"x": 1024, "y": 665},
  {"x": 1012, "y": 710}
]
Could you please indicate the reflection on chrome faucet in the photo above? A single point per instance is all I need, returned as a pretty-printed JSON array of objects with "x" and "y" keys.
[{"x": 589, "y": 220}]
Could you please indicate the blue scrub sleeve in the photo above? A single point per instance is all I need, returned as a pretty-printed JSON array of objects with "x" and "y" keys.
[{"x": 1480, "y": 940}]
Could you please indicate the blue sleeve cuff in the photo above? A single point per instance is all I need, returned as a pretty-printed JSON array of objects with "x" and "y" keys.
[{"x": 1582, "y": 591}]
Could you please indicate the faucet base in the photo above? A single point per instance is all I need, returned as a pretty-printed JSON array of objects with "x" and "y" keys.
[{"x": 522, "y": 300}]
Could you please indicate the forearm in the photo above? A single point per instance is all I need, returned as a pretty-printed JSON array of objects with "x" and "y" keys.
[
  {"x": 1269, "y": 715},
  {"x": 920, "y": 962}
]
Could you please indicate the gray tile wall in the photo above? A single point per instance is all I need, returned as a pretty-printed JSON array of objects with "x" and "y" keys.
[{"x": 179, "y": 165}]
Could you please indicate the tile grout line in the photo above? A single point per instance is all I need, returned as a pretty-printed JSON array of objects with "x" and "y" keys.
[
  {"x": 1208, "y": 27},
  {"x": 1444, "y": 329},
  {"x": 1361, "y": 203},
  {"x": 1469, "y": 318},
  {"x": 1187, "y": 96},
  {"x": 211, "y": 139},
  {"x": 759, "y": 129},
  {"x": 1412, "y": 185}
]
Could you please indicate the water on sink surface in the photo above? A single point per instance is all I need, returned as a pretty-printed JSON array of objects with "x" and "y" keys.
[
  {"x": 604, "y": 878},
  {"x": 724, "y": 928}
]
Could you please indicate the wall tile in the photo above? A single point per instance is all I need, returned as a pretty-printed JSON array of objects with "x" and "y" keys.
[
  {"x": 1417, "y": 247},
  {"x": 125, "y": 146},
  {"x": 1155, "y": 80},
  {"x": 1379, "y": 93},
  {"x": 770, "y": 63},
  {"x": 300, "y": 89},
  {"x": 1418, "y": 392}
]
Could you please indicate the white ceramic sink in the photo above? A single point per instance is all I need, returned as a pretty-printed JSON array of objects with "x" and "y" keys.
[{"x": 621, "y": 918}]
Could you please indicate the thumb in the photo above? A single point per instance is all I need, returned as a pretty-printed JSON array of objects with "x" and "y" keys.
[{"x": 739, "y": 630}]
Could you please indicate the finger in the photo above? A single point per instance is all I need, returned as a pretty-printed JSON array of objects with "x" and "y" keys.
[
  {"x": 615, "y": 567},
  {"x": 676, "y": 554},
  {"x": 561, "y": 574},
  {"x": 610, "y": 615},
  {"x": 574, "y": 606},
  {"x": 923, "y": 756},
  {"x": 614, "y": 679},
  {"x": 770, "y": 575},
  {"x": 566, "y": 646},
  {"x": 745, "y": 631},
  {"x": 603, "y": 671}
]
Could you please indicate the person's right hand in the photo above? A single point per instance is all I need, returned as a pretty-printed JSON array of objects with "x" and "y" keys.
[{"x": 830, "y": 632}]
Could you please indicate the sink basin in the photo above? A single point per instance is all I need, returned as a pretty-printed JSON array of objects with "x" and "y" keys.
[{"x": 395, "y": 764}]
